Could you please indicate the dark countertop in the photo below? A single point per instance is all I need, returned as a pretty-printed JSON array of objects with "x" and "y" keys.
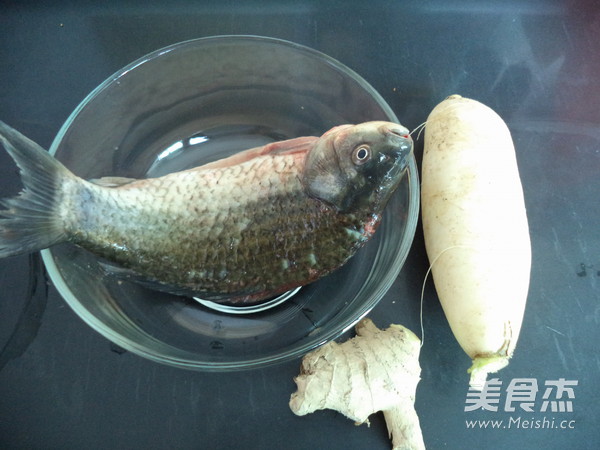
[{"x": 62, "y": 385}]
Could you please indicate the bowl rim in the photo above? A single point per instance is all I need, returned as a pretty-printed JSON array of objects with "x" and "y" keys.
[{"x": 412, "y": 215}]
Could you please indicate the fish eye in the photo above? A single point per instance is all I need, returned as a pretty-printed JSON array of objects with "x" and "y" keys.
[{"x": 361, "y": 154}]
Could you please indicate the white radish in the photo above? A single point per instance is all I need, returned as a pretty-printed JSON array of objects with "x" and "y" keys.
[{"x": 475, "y": 229}]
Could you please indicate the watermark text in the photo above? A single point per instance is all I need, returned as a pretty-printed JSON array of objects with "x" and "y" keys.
[{"x": 552, "y": 399}]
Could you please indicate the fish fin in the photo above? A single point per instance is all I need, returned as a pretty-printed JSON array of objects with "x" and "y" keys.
[
  {"x": 336, "y": 129},
  {"x": 112, "y": 181},
  {"x": 29, "y": 222},
  {"x": 118, "y": 272},
  {"x": 296, "y": 145}
]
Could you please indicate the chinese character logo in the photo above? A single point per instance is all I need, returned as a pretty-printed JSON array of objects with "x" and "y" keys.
[
  {"x": 486, "y": 399},
  {"x": 522, "y": 394},
  {"x": 563, "y": 388},
  {"x": 522, "y": 391}
]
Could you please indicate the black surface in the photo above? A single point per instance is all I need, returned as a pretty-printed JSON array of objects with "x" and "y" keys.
[{"x": 62, "y": 385}]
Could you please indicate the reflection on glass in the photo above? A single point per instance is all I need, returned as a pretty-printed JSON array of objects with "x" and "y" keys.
[{"x": 170, "y": 150}]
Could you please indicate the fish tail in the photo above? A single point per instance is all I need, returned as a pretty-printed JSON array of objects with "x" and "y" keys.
[{"x": 29, "y": 221}]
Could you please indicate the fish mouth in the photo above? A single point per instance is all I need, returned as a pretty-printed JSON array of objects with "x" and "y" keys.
[
  {"x": 398, "y": 131},
  {"x": 399, "y": 140}
]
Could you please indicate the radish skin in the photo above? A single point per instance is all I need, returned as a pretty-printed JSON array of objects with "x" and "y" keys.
[{"x": 476, "y": 231}]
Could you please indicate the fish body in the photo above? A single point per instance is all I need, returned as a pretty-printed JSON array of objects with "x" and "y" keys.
[{"x": 240, "y": 229}]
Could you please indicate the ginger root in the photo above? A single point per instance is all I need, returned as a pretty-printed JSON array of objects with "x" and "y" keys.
[{"x": 378, "y": 370}]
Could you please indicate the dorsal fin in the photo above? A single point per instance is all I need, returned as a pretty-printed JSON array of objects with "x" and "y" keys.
[{"x": 300, "y": 144}]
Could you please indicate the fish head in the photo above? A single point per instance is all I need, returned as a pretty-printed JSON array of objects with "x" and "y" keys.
[{"x": 358, "y": 167}]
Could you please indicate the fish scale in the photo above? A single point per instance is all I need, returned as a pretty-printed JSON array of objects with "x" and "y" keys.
[{"x": 204, "y": 231}]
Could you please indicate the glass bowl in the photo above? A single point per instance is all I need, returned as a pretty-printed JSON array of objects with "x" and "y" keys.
[{"x": 192, "y": 103}]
